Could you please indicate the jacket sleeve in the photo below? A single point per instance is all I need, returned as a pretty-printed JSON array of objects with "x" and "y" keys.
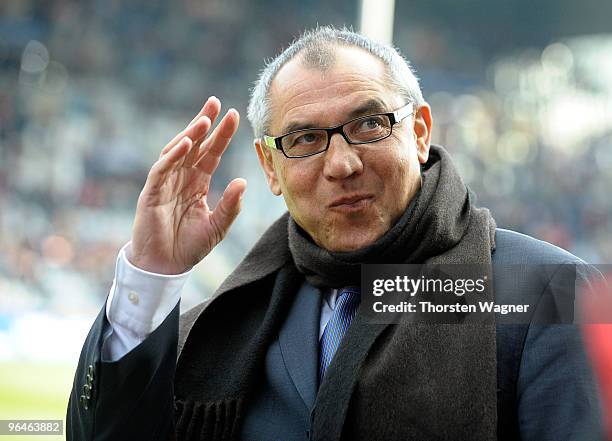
[
  {"x": 127, "y": 399},
  {"x": 557, "y": 393}
]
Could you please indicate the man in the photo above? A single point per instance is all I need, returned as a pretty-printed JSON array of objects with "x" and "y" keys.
[{"x": 343, "y": 134}]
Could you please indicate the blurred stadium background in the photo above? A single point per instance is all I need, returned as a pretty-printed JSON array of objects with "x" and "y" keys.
[{"x": 90, "y": 91}]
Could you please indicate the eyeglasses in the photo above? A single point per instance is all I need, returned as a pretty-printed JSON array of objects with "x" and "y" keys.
[{"x": 363, "y": 130}]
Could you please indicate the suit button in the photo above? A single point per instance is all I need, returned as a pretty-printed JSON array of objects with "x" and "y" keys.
[
  {"x": 133, "y": 297},
  {"x": 85, "y": 397},
  {"x": 84, "y": 402}
]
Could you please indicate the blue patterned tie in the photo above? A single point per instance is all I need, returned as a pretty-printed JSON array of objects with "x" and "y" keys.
[{"x": 347, "y": 303}]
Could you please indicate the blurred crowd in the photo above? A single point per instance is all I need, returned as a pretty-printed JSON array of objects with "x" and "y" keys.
[{"x": 91, "y": 91}]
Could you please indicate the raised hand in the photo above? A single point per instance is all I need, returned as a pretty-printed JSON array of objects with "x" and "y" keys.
[{"x": 174, "y": 227}]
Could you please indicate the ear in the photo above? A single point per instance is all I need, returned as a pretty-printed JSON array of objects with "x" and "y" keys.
[
  {"x": 265, "y": 161},
  {"x": 422, "y": 132}
]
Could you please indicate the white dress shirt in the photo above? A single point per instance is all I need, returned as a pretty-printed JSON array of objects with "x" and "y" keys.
[{"x": 139, "y": 301}]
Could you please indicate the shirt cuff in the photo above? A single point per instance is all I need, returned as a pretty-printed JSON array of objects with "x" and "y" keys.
[{"x": 139, "y": 300}]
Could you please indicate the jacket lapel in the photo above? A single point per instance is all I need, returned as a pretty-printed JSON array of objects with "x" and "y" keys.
[
  {"x": 299, "y": 342},
  {"x": 340, "y": 378}
]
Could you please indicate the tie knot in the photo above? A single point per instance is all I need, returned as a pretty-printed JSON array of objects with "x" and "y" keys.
[
  {"x": 350, "y": 293},
  {"x": 348, "y": 300}
]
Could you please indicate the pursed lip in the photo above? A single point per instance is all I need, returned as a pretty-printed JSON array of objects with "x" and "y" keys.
[{"x": 351, "y": 200}]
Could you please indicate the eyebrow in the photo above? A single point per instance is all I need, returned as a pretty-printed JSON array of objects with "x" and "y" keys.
[
  {"x": 371, "y": 106},
  {"x": 368, "y": 108}
]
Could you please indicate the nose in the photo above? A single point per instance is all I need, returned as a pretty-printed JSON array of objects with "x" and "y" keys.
[{"x": 342, "y": 160}]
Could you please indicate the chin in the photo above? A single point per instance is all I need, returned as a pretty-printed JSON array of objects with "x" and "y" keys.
[{"x": 352, "y": 242}]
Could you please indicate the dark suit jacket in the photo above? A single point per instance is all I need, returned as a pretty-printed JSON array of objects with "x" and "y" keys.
[{"x": 546, "y": 389}]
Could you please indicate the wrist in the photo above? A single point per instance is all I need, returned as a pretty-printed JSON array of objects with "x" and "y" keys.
[{"x": 147, "y": 264}]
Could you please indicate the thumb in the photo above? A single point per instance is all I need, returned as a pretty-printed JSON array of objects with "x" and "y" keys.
[{"x": 228, "y": 206}]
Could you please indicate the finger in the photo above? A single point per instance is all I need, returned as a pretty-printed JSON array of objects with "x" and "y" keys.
[
  {"x": 169, "y": 161},
  {"x": 228, "y": 206},
  {"x": 198, "y": 132},
  {"x": 211, "y": 109},
  {"x": 183, "y": 159},
  {"x": 195, "y": 131},
  {"x": 213, "y": 148}
]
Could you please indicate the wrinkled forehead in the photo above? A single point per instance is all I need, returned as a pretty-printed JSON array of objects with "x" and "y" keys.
[{"x": 323, "y": 93}]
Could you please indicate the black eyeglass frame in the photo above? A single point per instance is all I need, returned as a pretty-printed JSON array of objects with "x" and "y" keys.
[{"x": 394, "y": 117}]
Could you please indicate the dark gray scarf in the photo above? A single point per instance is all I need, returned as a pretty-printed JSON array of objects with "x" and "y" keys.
[{"x": 442, "y": 376}]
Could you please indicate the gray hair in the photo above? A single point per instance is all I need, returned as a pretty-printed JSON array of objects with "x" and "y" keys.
[{"x": 318, "y": 43}]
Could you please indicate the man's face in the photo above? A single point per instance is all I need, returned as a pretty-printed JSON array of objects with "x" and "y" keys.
[{"x": 350, "y": 195}]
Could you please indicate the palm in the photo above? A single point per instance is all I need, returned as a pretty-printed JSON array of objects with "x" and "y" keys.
[
  {"x": 174, "y": 226},
  {"x": 184, "y": 220}
]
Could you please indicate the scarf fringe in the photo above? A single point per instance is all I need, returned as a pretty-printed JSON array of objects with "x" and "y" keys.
[{"x": 211, "y": 421}]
